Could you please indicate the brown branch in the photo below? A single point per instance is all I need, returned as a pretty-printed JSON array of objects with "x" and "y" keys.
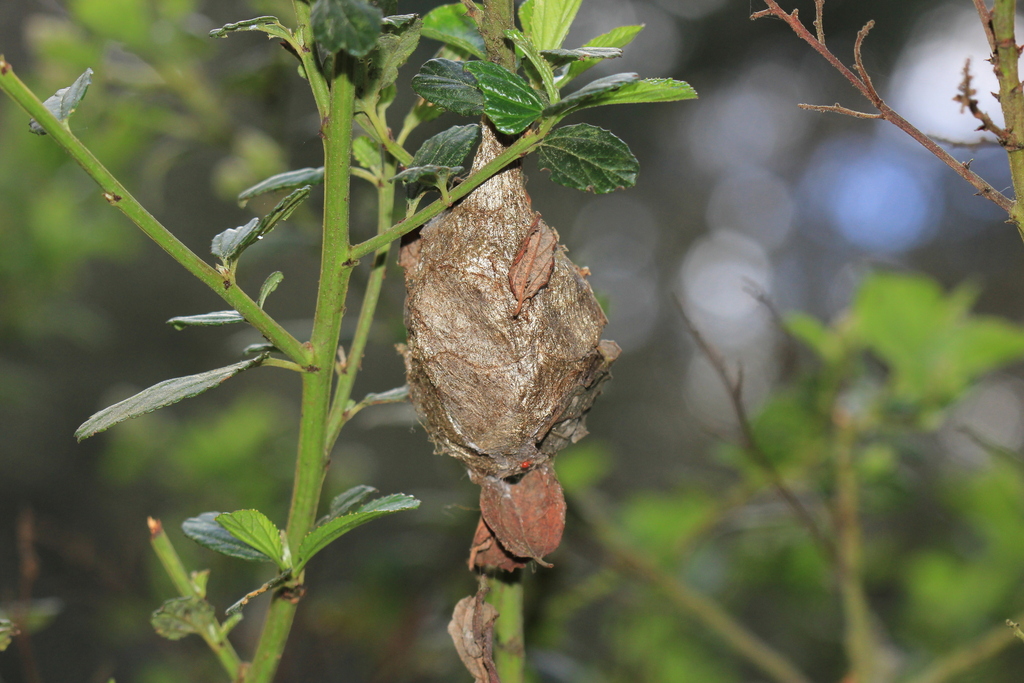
[
  {"x": 965, "y": 97},
  {"x": 837, "y": 109},
  {"x": 819, "y": 25},
  {"x": 866, "y": 88},
  {"x": 985, "y": 14},
  {"x": 749, "y": 441},
  {"x": 858, "y": 61}
]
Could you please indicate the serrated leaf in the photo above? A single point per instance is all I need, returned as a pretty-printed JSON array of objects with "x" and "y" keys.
[
  {"x": 346, "y": 25},
  {"x": 588, "y": 158},
  {"x": 585, "y": 96},
  {"x": 646, "y": 90},
  {"x": 254, "y": 528},
  {"x": 318, "y": 539},
  {"x": 449, "y": 147},
  {"x": 448, "y": 84},
  {"x": 269, "y": 285},
  {"x": 395, "y": 45},
  {"x": 161, "y": 395},
  {"x": 229, "y": 245},
  {"x": 618, "y": 37},
  {"x": 509, "y": 102},
  {"x": 289, "y": 180},
  {"x": 179, "y": 617},
  {"x": 450, "y": 24},
  {"x": 204, "y": 530},
  {"x": 62, "y": 104},
  {"x": 429, "y": 174},
  {"x": 206, "y": 319},
  {"x": 268, "y": 24},
  {"x": 343, "y": 503},
  {"x": 561, "y": 57},
  {"x": 366, "y": 152},
  {"x": 549, "y": 22},
  {"x": 7, "y": 632}
]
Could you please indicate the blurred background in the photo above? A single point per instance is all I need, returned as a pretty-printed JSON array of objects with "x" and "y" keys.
[{"x": 739, "y": 192}]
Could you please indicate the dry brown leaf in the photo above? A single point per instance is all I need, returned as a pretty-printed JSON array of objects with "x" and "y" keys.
[
  {"x": 487, "y": 554},
  {"x": 527, "y": 516},
  {"x": 532, "y": 266},
  {"x": 472, "y": 631}
]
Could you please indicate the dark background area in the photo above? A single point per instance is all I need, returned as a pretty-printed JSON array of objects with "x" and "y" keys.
[{"x": 738, "y": 187}]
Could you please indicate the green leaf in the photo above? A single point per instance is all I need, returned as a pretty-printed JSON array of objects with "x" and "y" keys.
[
  {"x": 588, "y": 158},
  {"x": 429, "y": 174},
  {"x": 258, "y": 347},
  {"x": 399, "y": 20},
  {"x": 367, "y": 153},
  {"x": 582, "y": 466},
  {"x": 7, "y": 633},
  {"x": 343, "y": 503},
  {"x": 205, "y": 531},
  {"x": 62, "y": 104},
  {"x": 395, "y": 45},
  {"x": 646, "y": 90},
  {"x": 254, "y": 528},
  {"x": 206, "y": 319},
  {"x": 562, "y": 57},
  {"x": 536, "y": 67},
  {"x": 824, "y": 341},
  {"x": 348, "y": 25},
  {"x": 618, "y": 37},
  {"x": 509, "y": 102},
  {"x": 271, "y": 25},
  {"x": 450, "y": 24},
  {"x": 335, "y": 527},
  {"x": 549, "y": 21},
  {"x": 229, "y": 245},
  {"x": 161, "y": 395},
  {"x": 179, "y": 617},
  {"x": 448, "y": 84},
  {"x": 289, "y": 180},
  {"x": 440, "y": 158},
  {"x": 585, "y": 96},
  {"x": 269, "y": 285}
]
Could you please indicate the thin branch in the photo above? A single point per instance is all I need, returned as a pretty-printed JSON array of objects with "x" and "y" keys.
[
  {"x": 966, "y": 657},
  {"x": 858, "y": 61},
  {"x": 867, "y": 90},
  {"x": 749, "y": 442},
  {"x": 819, "y": 25},
  {"x": 965, "y": 96},
  {"x": 837, "y": 109},
  {"x": 705, "y": 610},
  {"x": 985, "y": 14}
]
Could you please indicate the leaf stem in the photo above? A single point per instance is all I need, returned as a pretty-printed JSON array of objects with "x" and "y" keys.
[
  {"x": 506, "y": 594},
  {"x": 117, "y": 195},
  {"x": 335, "y": 271},
  {"x": 215, "y": 637},
  {"x": 307, "y": 55}
]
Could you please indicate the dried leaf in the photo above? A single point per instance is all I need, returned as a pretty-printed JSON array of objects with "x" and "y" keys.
[
  {"x": 487, "y": 554},
  {"x": 527, "y": 516},
  {"x": 532, "y": 266},
  {"x": 472, "y": 630}
]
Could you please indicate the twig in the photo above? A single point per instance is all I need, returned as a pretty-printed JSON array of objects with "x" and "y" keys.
[
  {"x": 866, "y": 88},
  {"x": 837, "y": 109},
  {"x": 750, "y": 443},
  {"x": 985, "y": 14},
  {"x": 819, "y": 25},
  {"x": 966, "y": 657},
  {"x": 965, "y": 96},
  {"x": 689, "y": 600}
]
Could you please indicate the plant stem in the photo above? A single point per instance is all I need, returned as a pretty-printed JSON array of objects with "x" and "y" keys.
[
  {"x": 1011, "y": 99},
  {"x": 505, "y": 592},
  {"x": 335, "y": 270},
  {"x": 347, "y": 377},
  {"x": 307, "y": 55},
  {"x": 859, "y": 636},
  {"x": 214, "y": 636},
  {"x": 116, "y": 194}
]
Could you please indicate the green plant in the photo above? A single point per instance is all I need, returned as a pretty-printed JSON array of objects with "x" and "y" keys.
[{"x": 349, "y": 52}]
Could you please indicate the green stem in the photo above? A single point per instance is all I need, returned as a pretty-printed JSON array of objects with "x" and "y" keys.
[
  {"x": 1011, "y": 99},
  {"x": 383, "y": 136},
  {"x": 516, "y": 150},
  {"x": 312, "y": 460},
  {"x": 307, "y": 54},
  {"x": 859, "y": 636},
  {"x": 214, "y": 636},
  {"x": 116, "y": 194},
  {"x": 506, "y": 594},
  {"x": 343, "y": 391}
]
